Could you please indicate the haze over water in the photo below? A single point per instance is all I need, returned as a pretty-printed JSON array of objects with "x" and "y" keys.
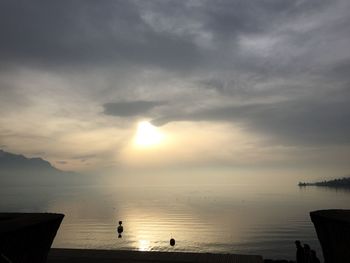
[{"x": 229, "y": 215}]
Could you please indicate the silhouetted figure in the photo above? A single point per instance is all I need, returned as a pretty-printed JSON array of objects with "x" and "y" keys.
[
  {"x": 307, "y": 253},
  {"x": 120, "y": 229},
  {"x": 172, "y": 242},
  {"x": 300, "y": 257},
  {"x": 313, "y": 257}
]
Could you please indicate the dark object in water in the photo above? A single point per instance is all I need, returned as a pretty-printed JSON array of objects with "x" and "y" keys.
[
  {"x": 27, "y": 237},
  {"x": 120, "y": 228},
  {"x": 172, "y": 242},
  {"x": 333, "y": 231}
]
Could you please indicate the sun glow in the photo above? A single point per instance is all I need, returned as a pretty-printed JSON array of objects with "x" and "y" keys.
[
  {"x": 144, "y": 245},
  {"x": 147, "y": 135}
]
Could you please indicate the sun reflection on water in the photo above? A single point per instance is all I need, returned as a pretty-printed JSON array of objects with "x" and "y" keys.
[{"x": 144, "y": 245}]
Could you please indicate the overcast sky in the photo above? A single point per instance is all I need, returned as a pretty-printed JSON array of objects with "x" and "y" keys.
[{"x": 258, "y": 84}]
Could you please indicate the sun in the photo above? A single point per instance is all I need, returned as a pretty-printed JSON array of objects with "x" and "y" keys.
[{"x": 147, "y": 135}]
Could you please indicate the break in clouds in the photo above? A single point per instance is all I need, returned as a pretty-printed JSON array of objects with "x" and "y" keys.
[{"x": 276, "y": 69}]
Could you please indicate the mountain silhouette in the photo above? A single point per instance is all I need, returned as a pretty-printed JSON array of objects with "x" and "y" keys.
[
  {"x": 10, "y": 161},
  {"x": 16, "y": 169}
]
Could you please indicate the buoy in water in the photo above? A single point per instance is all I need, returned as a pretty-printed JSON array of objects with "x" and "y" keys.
[
  {"x": 172, "y": 242},
  {"x": 120, "y": 228}
]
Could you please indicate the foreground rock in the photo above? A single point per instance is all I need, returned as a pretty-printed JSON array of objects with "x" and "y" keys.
[
  {"x": 27, "y": 237},
  {"x": 333, "y": 231}
]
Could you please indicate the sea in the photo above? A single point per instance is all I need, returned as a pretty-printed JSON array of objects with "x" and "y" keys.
[{"x": 228, "y": 214}]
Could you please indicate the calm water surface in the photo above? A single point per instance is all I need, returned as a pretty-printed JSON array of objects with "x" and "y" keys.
[{"x": 226, "y": 217}]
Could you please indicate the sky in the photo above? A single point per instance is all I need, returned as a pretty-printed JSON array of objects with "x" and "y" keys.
[{"x": 156, "y": 85}]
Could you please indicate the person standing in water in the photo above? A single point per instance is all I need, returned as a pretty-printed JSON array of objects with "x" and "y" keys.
[
  {"x": 307, "y": 253},
  {"x": 300, "y": 257},
  {"x": 313, "y": 257}
]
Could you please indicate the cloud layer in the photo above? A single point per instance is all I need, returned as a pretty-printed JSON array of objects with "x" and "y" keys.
[
  {"x": 130, "y": 108},
  {"x": 275, "y": 69}
]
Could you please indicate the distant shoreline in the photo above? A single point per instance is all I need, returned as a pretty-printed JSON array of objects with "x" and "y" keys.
[{"x": 336, "y": 183}]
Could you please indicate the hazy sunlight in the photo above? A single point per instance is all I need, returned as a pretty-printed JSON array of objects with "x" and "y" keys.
[
  {"x": 147, "y": 135},
  {"x": 144, "y": 245}
]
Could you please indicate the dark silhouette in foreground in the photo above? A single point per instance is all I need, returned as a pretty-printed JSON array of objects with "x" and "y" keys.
[
  {"x": 27, "y": 237},
  {"x": 305, "y": 254},
  {"x": 300, "y": 252},
  {"x": 333, "y": 231},
  {"x": 314, "y": 258}
]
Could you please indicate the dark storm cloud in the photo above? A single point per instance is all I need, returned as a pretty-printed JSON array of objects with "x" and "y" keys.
[
  {"x": 291, "y": 122},
  {"x": 130, "y": 108},
  {"x": 227, "y": 19},
  {"x": 82, "y": 33},
  {"x": 339, "y": 71}
]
